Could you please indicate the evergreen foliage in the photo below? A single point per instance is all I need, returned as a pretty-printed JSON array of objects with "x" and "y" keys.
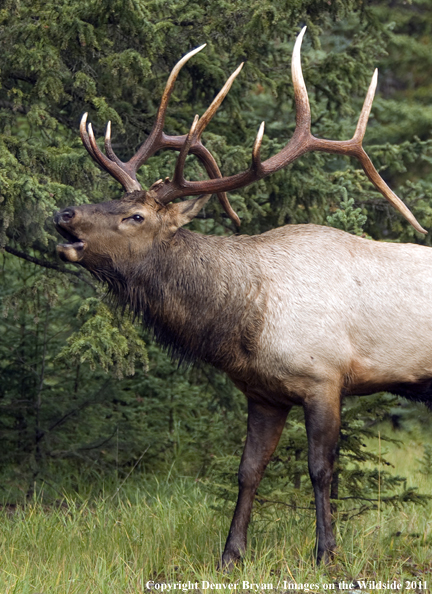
[
  {"x": 61, "y": 411},
  {"x": 104, "y": 339}
]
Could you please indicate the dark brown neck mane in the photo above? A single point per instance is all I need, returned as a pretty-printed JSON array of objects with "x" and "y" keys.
[{"x": 201, "y": 295}]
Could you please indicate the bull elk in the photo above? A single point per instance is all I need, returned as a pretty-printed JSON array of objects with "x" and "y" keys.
[{"x": 300, "y": 315}]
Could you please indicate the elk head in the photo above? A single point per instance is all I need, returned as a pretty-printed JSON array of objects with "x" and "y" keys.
[
  {"x": 102, "y": 235},
  {"x": 105, "y": 233}
]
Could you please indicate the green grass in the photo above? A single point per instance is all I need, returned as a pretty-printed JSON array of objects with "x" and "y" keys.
[{"x": 170, "y": 531}]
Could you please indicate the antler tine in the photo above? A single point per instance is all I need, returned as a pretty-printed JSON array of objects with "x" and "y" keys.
[
  {"x": 160, "y": 118},
  {"x": 108, "y": 148},
  {"x": 113, "y": 168},
  {"x": 85, "y": 137},
  {"x": 381, "y": 185},
  {"x": 256, "y": 158},
  {"x": 181, "y": 159},
  {"x": 214, "y": 106},
  {"x": 303, "y": 114},
  {"x": 156, "y": 138},
  {"x": 367, "y": 164},
  {"x": 366, "y": 109},
  {"x": 213, "y": 171},
  {"x": 96, "y": 151}
]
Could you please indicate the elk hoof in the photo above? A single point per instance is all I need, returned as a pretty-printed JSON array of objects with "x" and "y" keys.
[
  {"x": 326, "y": 556},
  {"x": 228, "y": 562}
]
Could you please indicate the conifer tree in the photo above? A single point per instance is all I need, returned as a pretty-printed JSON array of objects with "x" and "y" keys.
[{"x": 111, "y": 58}]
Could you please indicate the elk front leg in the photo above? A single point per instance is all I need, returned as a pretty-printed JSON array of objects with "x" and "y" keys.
[
  {"x": 322, "y": 425},
  {"x": 264, "y": 428}
]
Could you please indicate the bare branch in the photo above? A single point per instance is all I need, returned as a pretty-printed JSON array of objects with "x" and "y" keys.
[{"x": 47, "y": 264}]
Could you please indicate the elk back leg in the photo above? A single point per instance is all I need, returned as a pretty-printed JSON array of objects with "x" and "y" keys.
[
  {"x": 322, "y": 414},
  {"x": 264, "y": 428}
]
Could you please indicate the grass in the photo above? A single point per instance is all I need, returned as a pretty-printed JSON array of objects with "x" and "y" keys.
[{"x": 169, "y": 532}]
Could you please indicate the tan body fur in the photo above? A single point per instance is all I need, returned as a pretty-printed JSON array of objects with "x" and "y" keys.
[{"x": 343, "y": 309}]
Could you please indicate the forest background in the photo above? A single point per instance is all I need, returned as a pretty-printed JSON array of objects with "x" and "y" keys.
[{"x": 85, "y": 395}]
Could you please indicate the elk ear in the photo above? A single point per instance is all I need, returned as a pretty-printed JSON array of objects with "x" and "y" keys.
[{"x": 188, "y": 209}]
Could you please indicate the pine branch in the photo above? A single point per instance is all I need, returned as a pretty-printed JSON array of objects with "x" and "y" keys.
[{"x": 47, "y": 264}]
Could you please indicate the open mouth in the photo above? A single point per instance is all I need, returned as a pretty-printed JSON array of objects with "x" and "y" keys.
[
  {"x": 72, "y": 250},
  {"x": 72, "y": 239}
]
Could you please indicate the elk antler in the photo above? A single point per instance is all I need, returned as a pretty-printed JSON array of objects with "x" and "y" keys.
[
  {"x": 301, "y": 142},
  {"x": 125, "y": 173}
]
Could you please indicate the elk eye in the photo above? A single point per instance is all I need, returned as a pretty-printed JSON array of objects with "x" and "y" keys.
[{"x": 138, "y": 218}]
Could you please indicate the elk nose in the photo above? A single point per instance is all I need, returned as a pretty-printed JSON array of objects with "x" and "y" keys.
[{"x": 64, "y": 216}]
